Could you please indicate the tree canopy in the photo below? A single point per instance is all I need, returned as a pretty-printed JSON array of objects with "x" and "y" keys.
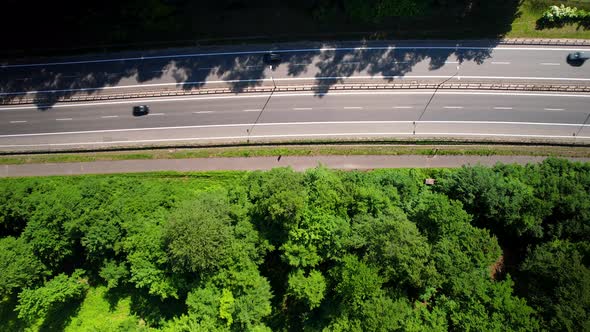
[{"x": 496, "y": 249}]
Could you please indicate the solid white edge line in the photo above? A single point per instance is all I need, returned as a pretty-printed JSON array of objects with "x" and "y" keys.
[
  {"x": 323, "y": 49},
  {"x": 293, "y": 135},
  {"x": 284, "y": 94},
  {"x": 295, "y": 124},
  {"x": 383, "y": 77}
]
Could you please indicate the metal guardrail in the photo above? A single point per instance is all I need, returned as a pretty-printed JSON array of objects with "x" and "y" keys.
[{"x": 316, "y": 88}]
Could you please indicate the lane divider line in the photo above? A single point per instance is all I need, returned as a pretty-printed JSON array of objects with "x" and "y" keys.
[
  {"x": 323, "y": 49},
  {"x": 287, "y": 95},
  {"x": 267, "y": 124}
]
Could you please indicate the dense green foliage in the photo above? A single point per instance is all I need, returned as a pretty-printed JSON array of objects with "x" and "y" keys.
[{"x": 484, "y": 249}]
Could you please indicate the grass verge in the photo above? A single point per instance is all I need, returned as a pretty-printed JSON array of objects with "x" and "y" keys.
[
  {"x": 529, "y": 11},
  {"x": 302, "y": 150}
]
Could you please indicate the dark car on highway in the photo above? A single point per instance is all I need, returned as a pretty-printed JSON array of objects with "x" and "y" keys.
[
  {"x": 140, "y": 110},
  {"x": 577, "y": 57},
  {"x": 272, "y": 58}
]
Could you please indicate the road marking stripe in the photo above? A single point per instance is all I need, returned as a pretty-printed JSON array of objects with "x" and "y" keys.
[
  {"x": 401, "y": 107},
  {"x": 451, "y": 61},
  {"x": 502, "y": 108},
  {"x": 286, "y": 79},
  {"x": 18, "y": 121},
  {"x": 64, "y": 119},
  {"x": 290, "y": 95},
  {"x": 109, "y": 116},
  {"x": 302, "y": 109},
  {"x": 353, "y": 108},
  {"x": 323, "y": 49},
  {"x": 157, "y": 114},
  {"x": 550, "y": 64},
  {"x": 254, "y": 110},
  {"x": 203, "y": 112},
  {"x": 263, "y": 124},
  {"x": 292, "y": 135},
  {"x": 554, "y": 109},
  {"x": 500, "y": 62},
  {"x": 453, "y": 107}
]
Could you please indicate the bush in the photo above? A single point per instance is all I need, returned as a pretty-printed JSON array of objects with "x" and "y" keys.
[{"x": 559, "y": 15}]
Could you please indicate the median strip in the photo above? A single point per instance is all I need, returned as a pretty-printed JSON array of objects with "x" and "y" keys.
[{"x": 108, "y": 95}]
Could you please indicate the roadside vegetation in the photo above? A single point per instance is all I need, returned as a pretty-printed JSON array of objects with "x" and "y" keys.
[
  {"x": 375, "y": 149},
  {"x": 130, "y": 24},
  {"x": 483, "y": 249}
]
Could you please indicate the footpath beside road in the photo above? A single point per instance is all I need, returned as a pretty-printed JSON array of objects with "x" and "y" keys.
[{"x": 262, "y": 163}]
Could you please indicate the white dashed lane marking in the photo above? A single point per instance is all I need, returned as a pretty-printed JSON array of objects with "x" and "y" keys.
[
  {"x": 453, "y": 107},
  {"x": 18, "y": 121},
  {"x": 554, "y": 109},
  {"x": 109, "y": 116},
  {"x": 63, "y": 119},
  {"x": 502, "y": 108}
]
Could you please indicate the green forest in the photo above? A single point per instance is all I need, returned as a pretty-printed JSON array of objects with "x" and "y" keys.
[{"x": 483, "y": 249}]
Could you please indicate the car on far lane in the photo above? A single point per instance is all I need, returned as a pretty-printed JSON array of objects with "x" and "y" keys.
[
  {"x": 140, "y": 110},
  {"x": 272, "y": 58},
  {"x": 577, "y": 57}
]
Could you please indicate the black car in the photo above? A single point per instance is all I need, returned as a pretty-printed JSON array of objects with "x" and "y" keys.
[
  {"x": 141, "y": 110},
  {"x": 577, "y": 57},
  {"x": 272, "y": 58}
]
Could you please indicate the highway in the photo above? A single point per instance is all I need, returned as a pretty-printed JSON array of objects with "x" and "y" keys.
[
  {"x": 243, "y": 66},
  {"x": 249, "y": 117},
  {"x": 243, "y": 118}
]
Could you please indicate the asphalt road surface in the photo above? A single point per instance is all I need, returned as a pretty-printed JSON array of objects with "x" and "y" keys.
[
  {"x": 295, "y": 116},
  {"x": 243, "y": 66}
]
